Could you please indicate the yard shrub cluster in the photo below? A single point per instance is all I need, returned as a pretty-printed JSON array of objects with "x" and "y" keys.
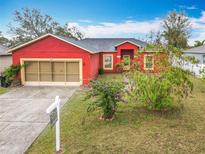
[
  {"x": 105, "y": 95},
  {"x": 170, "y": 85},
  {"x": 159, "y": 92},
  {"x": 156, "y": 91},
  {"x": 11, "y": 72}
]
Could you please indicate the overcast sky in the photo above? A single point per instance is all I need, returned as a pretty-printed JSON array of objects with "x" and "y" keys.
[{"x": 111, "y": 18}]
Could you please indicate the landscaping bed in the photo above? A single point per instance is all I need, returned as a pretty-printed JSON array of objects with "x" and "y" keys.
[{"x": 133, "y": 129}]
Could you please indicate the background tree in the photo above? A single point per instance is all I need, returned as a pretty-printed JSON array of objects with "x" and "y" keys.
[
  {"x": 177, "y": 29},
  {"x": 199, "y": 43},
  {"x": 3, "y": 40},
  {"x": 31, "y": 23},
  {"x": 76, "y": 33},
  {"x": 155, "y": 38},
  {"x": 71, "y": 32}
]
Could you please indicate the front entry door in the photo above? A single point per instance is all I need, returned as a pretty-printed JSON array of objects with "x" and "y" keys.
[{"x": 126, "y": 61}]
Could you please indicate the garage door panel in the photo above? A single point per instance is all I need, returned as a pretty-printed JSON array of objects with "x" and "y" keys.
[
  {"x": 31, "y": 71},
  {"x": 59, "y": 67},
  {"x": 31, "y": 67},
  {"x": 72, "y": 72},
  {"x": 72, "y": 67},
  {"x": 58, "y": 78},
  {"x": 72, "y": 78},
  {"x": 31, "y": 77},
  {"x": 46, "y": 77},
  {"x": 59, "y": 71},
  {"x": 45, "y": 67},
  {"x": 45, "y": 71}
]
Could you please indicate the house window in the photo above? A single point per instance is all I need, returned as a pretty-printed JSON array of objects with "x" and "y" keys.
[
  {"x": 203, "y": 59},
  {"x": 148, "y": 62},
  {"x": 108, "y": 62}
]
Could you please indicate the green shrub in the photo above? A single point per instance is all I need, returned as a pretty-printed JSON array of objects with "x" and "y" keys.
[
  {"x": 11, "y": 72},
  {"x": 135, "y": 66},
  {"x": 100, "y": 71},
  {"x": 105, "y": 95},
  {"x": 119, "y": 67},
  {"x": 202, "y": 73},
  {"x": 159, "y": 92},
  {"x": 169, "y": 85}
]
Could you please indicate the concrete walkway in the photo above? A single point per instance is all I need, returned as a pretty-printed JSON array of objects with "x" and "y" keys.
[{"x": 23, "y": 117}]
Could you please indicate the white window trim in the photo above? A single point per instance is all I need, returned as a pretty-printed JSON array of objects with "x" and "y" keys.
[
  {"x": 104, "y": 55},
  {"x": 145, "y": 56}
]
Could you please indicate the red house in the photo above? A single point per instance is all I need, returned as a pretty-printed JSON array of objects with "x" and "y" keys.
[{"x": 55, "y": 60}]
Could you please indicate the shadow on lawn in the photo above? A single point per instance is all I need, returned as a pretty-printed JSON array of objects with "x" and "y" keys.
[
  {"x": 133, "y": 116},
  {"x": 138, "y": 113},
  {"x": 172, "y": 113}
]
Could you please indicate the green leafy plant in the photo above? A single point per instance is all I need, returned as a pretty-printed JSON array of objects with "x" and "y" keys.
[
  {"x": 151, "y": 91},
  {"x": 100, "y": 71},
  {"x": 202, "y": 73},
  {"x": 198, "y": 43},
  {"x": 105, "y": 95},
  {"x": 11, "y": 72},
  {"x": 159, "y": 92},
  {"x": 170, "y": 85},
  {"x": 119, "y": 67}
]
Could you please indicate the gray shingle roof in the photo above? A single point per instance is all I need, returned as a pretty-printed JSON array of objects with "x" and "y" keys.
[
  {"x": 78, "y": 43},
  {"x": 200, "y": 49},
  {"x": 92, "y": 45},
  {"x": 102, "y": 44},
  {"x": 108, "y": 44},
  {"x": 4, "y": 51}
]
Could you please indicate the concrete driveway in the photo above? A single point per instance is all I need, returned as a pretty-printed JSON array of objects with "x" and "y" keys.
[{"x": 23, "y": 117}]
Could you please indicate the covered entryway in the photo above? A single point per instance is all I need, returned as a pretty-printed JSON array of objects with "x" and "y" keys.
[
  {"x": 127, "y": 57},
  {"x": 51, "y": 71}
]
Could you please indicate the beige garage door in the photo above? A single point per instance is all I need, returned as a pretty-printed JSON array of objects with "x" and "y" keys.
[
  {"x": 31, "y": 69},
  {"x": 47, "y": 71}
]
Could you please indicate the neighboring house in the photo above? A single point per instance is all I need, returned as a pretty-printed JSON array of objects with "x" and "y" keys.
[
  {"x": 199, "y": 54},
  {"x": 55, "y": 60},
  {"x": 5, "y": 58}
]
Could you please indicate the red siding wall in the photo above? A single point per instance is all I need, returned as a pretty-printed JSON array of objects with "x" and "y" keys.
[
  {"x": 51, "y": 47},
  {"x": 94, "y": 64}
]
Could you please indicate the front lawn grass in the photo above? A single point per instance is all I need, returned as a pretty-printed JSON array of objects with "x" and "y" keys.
[
  {"x": 134, "y": 130},
  {"x": 3, "y": 90}
]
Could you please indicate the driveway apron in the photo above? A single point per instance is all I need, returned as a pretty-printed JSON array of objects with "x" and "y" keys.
[{"x": 23, "y": 116}]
